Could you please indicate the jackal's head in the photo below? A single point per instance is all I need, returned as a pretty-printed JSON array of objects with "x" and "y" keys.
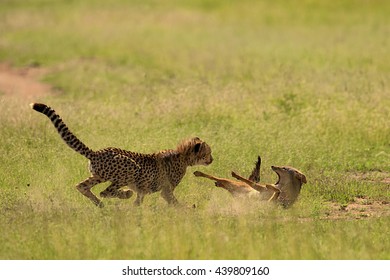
[{"x": 287, "y": 173}]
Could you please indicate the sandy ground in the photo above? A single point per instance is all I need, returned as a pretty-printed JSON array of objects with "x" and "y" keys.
[
  {"x": 24, "y": 83},
  {"x": 363, "y": 207},
  {"x": 360, "y": 208}
]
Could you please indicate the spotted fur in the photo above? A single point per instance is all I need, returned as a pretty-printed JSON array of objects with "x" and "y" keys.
[{"x": 141, "y": 173}]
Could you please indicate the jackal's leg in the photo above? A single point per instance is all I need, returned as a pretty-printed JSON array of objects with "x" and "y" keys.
[
  {"x": 276, "y": 191},
  {"x": 253, "y": 185},
  {"x": 255, "y": 175},
  {"x": 201, "y": 174},
  {"x": 219, "y": 182},
  {"x": 85, "y": 188}
]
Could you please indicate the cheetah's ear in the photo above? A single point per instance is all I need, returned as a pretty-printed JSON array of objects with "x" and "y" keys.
[{"x": 197, "y": 147}]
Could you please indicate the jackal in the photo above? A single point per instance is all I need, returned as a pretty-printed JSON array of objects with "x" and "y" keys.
[
  {"x": 286, "y": 189},
  {"x": 245, "y": 187}
]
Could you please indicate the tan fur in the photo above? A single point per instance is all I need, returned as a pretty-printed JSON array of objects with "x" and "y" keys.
[
  {"x": 290, "y": 183},
  {"x": 243, "y": 187},
  {"x": 269, "y": 191},
  {"x": 235, "y": 188},
  {"x": 285, "y": 191},
  {"x": 288, "y": 187},
  {"x": 141, "y": 173}
]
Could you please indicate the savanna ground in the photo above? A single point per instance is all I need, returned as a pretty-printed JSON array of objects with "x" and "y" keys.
[{"x": 302, "y": 83}]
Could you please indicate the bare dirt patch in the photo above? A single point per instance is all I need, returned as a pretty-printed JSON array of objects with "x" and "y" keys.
[
  {"x": 359, "y": 208},
  {"x": 374, "y": 176},
  {"x": 362, "y": 207},
  {"x": 24, "y": 82}
]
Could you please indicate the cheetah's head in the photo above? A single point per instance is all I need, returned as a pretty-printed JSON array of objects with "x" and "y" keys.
[{"x": 196, "y": 151}]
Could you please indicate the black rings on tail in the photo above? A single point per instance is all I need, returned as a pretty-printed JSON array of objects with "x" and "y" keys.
[{"x": 70, "y": 139}]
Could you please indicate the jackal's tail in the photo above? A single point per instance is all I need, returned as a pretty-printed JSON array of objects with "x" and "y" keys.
[
  {"x": 70, "y": 139},
  {"x": 255, "y": 175}
]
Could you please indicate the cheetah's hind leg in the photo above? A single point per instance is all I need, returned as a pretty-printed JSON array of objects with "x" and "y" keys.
[
  {"x": 125, "y": 194},
  {"x": 113, "y": 190}
]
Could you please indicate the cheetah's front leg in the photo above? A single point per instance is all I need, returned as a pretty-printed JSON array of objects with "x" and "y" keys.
[
  {"x": 167, "y": 194},
  {"x": 140, "y": 198}
]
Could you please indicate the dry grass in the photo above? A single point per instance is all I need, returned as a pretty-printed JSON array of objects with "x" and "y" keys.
[{"x": 302, "y": 85}]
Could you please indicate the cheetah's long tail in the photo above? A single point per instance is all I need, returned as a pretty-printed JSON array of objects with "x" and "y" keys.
[{"x": 70, "y": 139}]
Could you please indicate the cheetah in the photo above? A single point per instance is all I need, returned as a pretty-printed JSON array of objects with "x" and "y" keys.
[{"x": 141, "y": 173}]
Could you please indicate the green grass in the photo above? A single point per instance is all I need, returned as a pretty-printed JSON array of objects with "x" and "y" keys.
[{"x": 303, "y": 84}]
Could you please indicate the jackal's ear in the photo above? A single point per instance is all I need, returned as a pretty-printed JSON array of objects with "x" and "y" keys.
[{"x": 301, "y": 177}]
